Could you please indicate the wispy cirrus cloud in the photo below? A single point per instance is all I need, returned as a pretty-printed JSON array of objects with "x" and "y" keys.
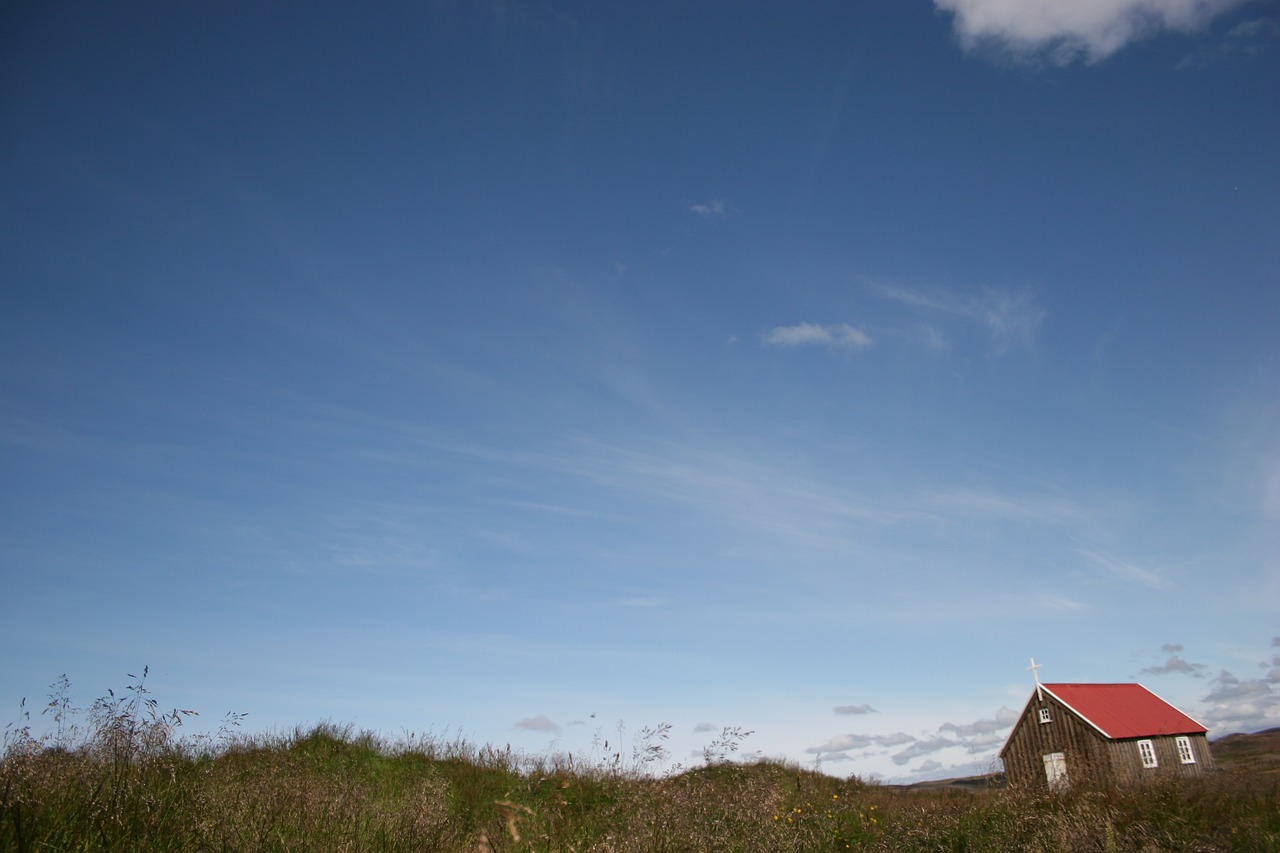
[
  {"x": 1009, "y": 320},
  {"x": 854, "y": 709},
  {"x": 1126, "y": 571},
  {"x": 1248, "y": 38},
  {"x": 931, "y": 338},
  {"x": 1064, "y": 31},
  {"x": 836, "y": 336},
  {"x": 754, "y": 498},
  {"x": 1024, "y": 509},
  {"x": 1060, "y": 602},
  {"x": 1257, "y": 28}
]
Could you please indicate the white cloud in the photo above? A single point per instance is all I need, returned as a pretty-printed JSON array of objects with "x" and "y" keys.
[
  {"x": 1227, "y": 687},
  {"x": 711, "y": 210},
  {"x": 854, "y": 709},
  {"x": 840, "y": 743},
  {"x": 896, "y": 739},
  {"x": 1175, "y": 664},
  {"x": 923, "y": 747},
  {"x": 1003, "y": 719},
  {"x": 979, "y": 739},
  {"x": 1241, "y": 706},
  {"x": 983, "y": 742},
  {"x": 1062, "y": 31},
  {"x": 705, "y": 727},
  {"x": 839, "y": 335},
  {"x": 838, "y": 747},
  {"x": 1244, "y": 705},
  {"x": 540, "y": 723}
]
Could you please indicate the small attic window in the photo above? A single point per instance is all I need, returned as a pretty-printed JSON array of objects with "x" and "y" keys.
[{"x": 1045, "y": 716}]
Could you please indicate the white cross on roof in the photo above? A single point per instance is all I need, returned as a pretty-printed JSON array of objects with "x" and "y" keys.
[{"x": 1035, "y": 674}]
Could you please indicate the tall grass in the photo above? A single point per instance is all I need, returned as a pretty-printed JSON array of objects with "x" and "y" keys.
[{"x": 119, "y": 776}]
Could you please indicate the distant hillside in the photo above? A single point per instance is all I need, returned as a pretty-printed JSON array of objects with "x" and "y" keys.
[{"x": 1258, "y": 752}]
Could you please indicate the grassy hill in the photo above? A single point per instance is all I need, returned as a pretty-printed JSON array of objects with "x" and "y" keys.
[
  {"x": 1256, "y": 753},
  {"x": 123, "y": 780}
]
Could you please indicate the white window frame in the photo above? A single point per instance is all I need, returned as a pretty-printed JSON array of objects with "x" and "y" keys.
[
  {"x": 1185, "y": 752},
  {"x": 1147, "y": 752},
  {"x": 1045, "y": 716},
  {"x": 1055, "y": 770}
]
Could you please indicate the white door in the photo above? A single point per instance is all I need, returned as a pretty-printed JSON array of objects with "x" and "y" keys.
[{"x": 1055, "y": 769}]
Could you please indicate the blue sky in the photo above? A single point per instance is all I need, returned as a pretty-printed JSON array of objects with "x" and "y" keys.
[{"x": 516, "y": 368}]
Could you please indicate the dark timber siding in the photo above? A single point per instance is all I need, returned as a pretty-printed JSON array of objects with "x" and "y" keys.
[
  {"x": 1126, "y": 762},
  {"x": 1086, "y": 752}
]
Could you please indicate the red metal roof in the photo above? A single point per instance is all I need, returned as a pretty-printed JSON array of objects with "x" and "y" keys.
[{"x": 1124, "y": 710}]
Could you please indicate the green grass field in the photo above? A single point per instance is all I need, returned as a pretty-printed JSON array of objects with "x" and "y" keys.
[{"x": 116, "y": 776}]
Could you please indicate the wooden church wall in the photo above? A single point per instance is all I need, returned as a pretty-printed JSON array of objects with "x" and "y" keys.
[{"x": 1088, "y": 758}]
